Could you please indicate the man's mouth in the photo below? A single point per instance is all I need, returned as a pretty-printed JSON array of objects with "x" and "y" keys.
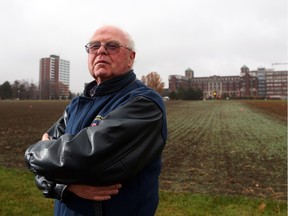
[{"x": 101, "y": 62}]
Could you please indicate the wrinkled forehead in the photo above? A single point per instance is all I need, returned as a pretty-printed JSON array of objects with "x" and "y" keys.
[{"x": 105, "y": 34}]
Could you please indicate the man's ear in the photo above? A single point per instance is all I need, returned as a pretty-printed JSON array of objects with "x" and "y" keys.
[{"x": 131, "y": 58}]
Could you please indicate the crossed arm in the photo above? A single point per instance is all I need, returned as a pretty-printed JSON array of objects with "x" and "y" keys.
[
  {"x": 116, "y": 155},
  {"x": 97, "y": 193}
]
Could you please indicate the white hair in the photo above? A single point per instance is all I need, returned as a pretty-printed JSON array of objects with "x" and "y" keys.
[{"x": 130, "y": 41}]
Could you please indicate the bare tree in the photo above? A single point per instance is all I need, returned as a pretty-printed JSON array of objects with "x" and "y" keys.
[{"x": 154, "y": 81}]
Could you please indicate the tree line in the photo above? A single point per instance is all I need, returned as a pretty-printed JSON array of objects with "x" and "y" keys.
[
  {"x": 186, "y": 94},
  {"x": 24, "y": 90},
  {"x": 21, "y": 90}
]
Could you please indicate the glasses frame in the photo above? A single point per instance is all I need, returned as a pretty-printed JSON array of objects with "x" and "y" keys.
[{"x": 108, "y": 49}]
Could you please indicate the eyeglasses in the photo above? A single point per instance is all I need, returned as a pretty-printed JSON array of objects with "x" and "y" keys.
[{"x": 111, "y": 47}]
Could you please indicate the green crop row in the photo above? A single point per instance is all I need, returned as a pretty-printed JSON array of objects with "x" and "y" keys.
[{"x": 224, "y": 147}]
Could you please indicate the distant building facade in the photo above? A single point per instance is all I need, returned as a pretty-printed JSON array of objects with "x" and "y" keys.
[
  {"x": 261, "y": 83},
  {"x": 272, "y": 84},
  {"x": 54, "y": 78}
]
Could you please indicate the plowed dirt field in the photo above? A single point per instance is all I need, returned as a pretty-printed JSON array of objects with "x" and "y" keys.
[{"x": 214, "y": 147}]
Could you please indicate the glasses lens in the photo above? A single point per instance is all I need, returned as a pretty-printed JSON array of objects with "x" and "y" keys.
[
  {"x": 112, "y": 47},
  {"x": 93, "y": 47}
]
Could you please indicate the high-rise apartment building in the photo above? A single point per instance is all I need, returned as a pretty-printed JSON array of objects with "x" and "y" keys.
[
  {"x": 272, "y": 83},
  {"x": 54, "y": 76}
]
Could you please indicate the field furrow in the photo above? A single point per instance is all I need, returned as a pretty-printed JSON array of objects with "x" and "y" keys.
[
  {"x": 213, "y": 147},
  {"x": 224, "y": 147}
]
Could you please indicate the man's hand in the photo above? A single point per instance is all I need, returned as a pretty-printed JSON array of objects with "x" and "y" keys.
[
  {"x": 97, "y": 193},
  {"x": 45, "y": 137}
]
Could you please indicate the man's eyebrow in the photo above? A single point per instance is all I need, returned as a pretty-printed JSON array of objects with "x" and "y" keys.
[
  {"x": 93, "y": 42},
  {"x": 108, "y": 41}
]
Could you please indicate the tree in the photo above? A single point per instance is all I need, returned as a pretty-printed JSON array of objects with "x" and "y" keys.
[
  {"x": 173, "y": 95},
  {"x": 33, "y": 91},
  {"x": 24, "y": 90},
  {"x": 16, "y": 89},
  {"x": 5, "y": 90},
  {"x": 181, "y": 93},
  {"x": 154, "y": 81},
  {"x": 187, "y": 94}
]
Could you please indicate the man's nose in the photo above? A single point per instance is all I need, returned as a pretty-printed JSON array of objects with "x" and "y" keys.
[{"x": 102, "y": 49}]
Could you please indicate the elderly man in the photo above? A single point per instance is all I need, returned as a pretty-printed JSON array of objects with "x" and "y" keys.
[{"x": 103, "y": 156}]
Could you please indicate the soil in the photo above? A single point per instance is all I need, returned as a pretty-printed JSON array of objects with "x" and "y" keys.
[{"x": 24, "y": 122}]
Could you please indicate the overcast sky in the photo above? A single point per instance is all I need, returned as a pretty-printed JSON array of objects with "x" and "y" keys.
[{"x": 211, "y": 37}]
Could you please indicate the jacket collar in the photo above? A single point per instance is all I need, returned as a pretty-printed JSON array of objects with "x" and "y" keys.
[{"x": 92, "y": 89}]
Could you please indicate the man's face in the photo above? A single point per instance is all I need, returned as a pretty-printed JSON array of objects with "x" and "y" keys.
[{"x": 104, "y": 65}]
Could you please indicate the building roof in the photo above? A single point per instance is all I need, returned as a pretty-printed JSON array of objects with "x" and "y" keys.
[
  {"x": 244, "y": 66},
  {"x": 189, "y": 69}
]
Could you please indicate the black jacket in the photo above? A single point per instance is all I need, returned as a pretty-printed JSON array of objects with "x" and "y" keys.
[{"x": 115, "y": 133}]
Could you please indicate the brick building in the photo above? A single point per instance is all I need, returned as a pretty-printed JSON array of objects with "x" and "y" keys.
[
  {"x": 54, "y": 76},
  {"x": 260, "y": 83}
]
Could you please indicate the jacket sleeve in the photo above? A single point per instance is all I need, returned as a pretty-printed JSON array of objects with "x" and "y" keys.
[
  {"x": 124, "y": 142},
  {"x": 51, "y": 189},
  {"x": 58, "y": 128}
]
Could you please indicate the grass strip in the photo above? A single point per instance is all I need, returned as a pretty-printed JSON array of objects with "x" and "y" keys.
[{"x": 19, "y": 196}]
